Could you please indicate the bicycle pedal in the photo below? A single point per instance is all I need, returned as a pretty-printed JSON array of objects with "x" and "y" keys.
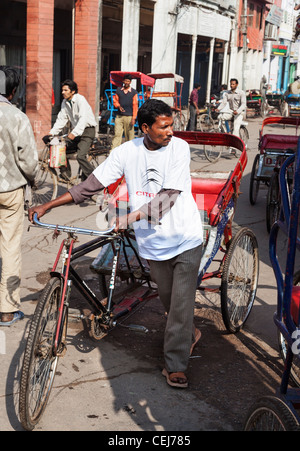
[{"x": 136, "y": 328}]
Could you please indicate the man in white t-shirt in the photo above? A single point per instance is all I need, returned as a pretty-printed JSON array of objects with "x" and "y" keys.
[{"x": 165, "y": 218}]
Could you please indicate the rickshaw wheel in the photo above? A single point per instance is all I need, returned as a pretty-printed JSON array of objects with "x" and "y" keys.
[
  {"x": 270, "y": 413},
  {"x": 254, "y": 182},
  {"x": 282, "y": 344},
  {"x": 239, "y": 279},
  {"x": 244, "y": 134},
  {"x": 273, "y": 201}
]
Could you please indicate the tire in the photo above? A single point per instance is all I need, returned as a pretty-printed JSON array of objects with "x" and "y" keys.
[
  {"x": 45, "y": 182},
  {"x": 212, "y": 153},
  {"x": 270, "y": 413},
  {"x": 273, "y": 202},
  {"x": 39, "y": 363},
  {"x": 239, "y": 279},
  {"x": 206, "y": 123},
  {"x": 244, "y": 134},
  {"x": 264, "y": 109},
  {"x": 179, "y": 122},
  {"x": 254, "y": 182}
]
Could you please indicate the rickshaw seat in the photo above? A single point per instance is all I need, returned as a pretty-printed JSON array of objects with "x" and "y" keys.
[
  {"x": 278, "y": 142},
  {"x": 206, "y": 190},
  {"x": 295, "y": 304}
]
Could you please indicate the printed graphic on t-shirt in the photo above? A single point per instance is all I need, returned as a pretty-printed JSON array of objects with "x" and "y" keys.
[{"x": 152, "y": 175}]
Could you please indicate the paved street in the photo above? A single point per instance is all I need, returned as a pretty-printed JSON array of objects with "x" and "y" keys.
[{"x": 104, "y": 386}]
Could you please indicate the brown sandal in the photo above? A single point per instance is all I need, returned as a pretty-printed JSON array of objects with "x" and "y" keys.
[{"x": 178, "y": 379}]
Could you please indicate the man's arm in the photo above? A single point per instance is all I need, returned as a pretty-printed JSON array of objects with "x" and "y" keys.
[
  {"x": 61, "y": 121},
  {"x": 152, "y": 211},
  {"x": 40, "y": 210},
  {"x": 27, "y": 151},
  {"x": 78, "y": 193},
  {"x": 223, "y": 102},
  {"x": 243, "y": 105},
  {"x": 134, "y": 108}
]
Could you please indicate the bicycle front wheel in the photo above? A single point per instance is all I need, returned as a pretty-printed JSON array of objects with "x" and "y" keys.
[
  {"x": 206, "y": 123},
  {"x": 244, "y": 134},
  {"x": 39, "y": 363},
  {"x": 239, "y": 279},
  {"x": 45, "y": 182},
  {"x": 212, "y": 153},
  {"x": 271, "y": 414}
]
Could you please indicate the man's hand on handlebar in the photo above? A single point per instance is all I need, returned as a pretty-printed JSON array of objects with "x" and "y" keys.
[
  {"x": 47, "y": 139},
  {"x": 123, "y": 222},
  {"x": 40, "y": 210}
]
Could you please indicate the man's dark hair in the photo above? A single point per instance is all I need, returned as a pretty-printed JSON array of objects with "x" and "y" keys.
[
  {"x": 72, "y": 85},
  {"x": 234, "y": 79},
  {"x": 12, "y": 80},
  {"x": 127, "y": 77},
  {"x": 197, "y": 85},
  {"x": 150, "y": 110}
]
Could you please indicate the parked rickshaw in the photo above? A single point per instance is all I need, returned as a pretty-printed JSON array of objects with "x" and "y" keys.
[
  {"x": 145, "y": 83},
  {"x": 176, "y": 94},
  {"x": 270, "y": 146},
  {"x": 293, "y": 104},
  {"x": 274, "y": 101},
  {"x": 254, "y": 102},
  {"x": 280, "y": 412}
]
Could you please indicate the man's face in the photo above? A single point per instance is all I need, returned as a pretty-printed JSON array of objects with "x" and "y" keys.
[
  {"x": 126, "y": 83},
  {"x": 67, "y": 93},
  {"x": 160, "y": 133},
  {"x": 233, "y": 85}
]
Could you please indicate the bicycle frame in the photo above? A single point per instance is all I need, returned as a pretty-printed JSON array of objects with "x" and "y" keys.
[{"x": 67, "y": 254}]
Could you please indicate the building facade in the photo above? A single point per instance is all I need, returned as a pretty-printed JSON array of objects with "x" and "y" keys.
[{"x": 205, "y": 41}]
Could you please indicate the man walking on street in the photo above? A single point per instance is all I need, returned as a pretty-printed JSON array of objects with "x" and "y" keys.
[
  {"x": 18, "y": 165},
  {"x": 194, "y": 109},
  {"x": 126, "y": 101},
  {"x": 76, "y": 110},
  {"x": 236, "y": 99}
]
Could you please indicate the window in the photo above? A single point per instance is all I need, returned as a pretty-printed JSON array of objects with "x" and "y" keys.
[
  {"x": 259, "y": 16},
  {"x": 251, "y": 14}
]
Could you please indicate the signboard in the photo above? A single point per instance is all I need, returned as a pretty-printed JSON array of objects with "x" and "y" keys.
[
  {"x": 279, "y": 50},
  {"x": 275, "y": 15}
]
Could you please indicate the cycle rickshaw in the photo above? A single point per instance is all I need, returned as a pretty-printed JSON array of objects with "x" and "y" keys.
[
  {"x": 254, "y": 102},
  {"x": 176, "y": 94},
  {"x": 145, "y": 85},
  {"x": 125, "y": 277},
  {"x": 281, "y": 411},
  {"x": 274, "y": 148},
  {"x": 293, "y": 105},
  {"x": 274, "y": 101}
]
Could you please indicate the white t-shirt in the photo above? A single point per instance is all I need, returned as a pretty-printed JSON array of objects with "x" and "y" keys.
[{"x": 146, "y": 173}]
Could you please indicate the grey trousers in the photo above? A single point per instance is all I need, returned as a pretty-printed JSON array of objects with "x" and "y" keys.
[
  {"x": 176, "y": 280},
  {"x": 83, "y": 144}
]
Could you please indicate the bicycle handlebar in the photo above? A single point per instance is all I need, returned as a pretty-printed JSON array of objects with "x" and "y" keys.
[{"x": 69, "y": 229}]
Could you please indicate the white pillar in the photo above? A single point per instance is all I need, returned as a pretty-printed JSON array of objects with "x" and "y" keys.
[
  {"x": 210, "y": 66},
  {"x": 193, "y": 59},
  {"x": 130, "y": 35},
  {"x": 225, "y": 64},
  {"x": 164, "y": 43}
]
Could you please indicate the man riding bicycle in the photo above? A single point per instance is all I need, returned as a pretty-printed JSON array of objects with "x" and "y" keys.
[
  {"x": 76, "y": 110},
  {"x": 236, "y": 99}
]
